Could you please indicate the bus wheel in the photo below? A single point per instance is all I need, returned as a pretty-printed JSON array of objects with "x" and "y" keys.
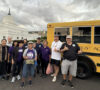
[{"x": 83, "y": 70}]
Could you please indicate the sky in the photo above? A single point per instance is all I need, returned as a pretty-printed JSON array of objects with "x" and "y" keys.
[{"x": 36, "y": 14}]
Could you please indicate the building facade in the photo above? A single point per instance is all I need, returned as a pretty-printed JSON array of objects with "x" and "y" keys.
[{"x": 9, "y": 28}]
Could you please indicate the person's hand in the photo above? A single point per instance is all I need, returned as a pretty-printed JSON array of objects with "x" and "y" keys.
[
  {"x": 50, "y": 60},
  {"x": 55, "y": 50},
  {"x": 36, "y": 63},
  {"x": 65, "y": 48},
  {"x": 8, "y": 61},
  {"x": 26, "y": 58},
  {"x": 12, "y": 61},
  {"x": 79, "y": 52}
]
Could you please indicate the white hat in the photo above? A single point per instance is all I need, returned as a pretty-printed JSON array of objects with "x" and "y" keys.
[
  {"x": 30, "y": 42},
  {"x": 68, "y": 36}
]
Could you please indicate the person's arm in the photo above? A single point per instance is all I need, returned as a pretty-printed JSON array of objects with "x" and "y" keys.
[
  {"x": 8, "y": 57},
  {"x": 24, "y": 55},
  {"x": 79, "y": 52},
  {"x": 63, "y": 48},
  {"x": 78, "y": 49},
  {"x": 40, "y": 51},
  {"x": 13, "y": 53},
  {"x": 35, "y": 55},
  {"x": 49, "y": 55},
  {"x": 36, "y": 58},
  {"x": 57, "y": 49},
  {"x": 49, "y": 58},
  {"x": 9, "y": 52}
]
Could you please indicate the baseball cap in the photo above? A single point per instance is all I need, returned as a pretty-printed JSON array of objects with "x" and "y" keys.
[
  {"x": 56, "y": 35},
  {"x": 30, "y": 42},
  {"x": 68, "y": 36}
]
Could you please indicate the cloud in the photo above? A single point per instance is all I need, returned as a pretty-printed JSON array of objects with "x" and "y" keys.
[{"x": 37, "y": 13}]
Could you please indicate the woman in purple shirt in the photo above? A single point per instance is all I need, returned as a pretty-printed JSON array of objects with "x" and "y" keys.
[
  {"x": 17, "y": 61},
  {"x": 15, "y": 44},
  {"x": 10, "y": 52},
  {"x": 46, "y": 53}
]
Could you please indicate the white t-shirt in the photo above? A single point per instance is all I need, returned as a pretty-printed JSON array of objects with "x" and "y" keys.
[
  {"x": 9, "y": 44},
  {"x": 56, "y": 55}
]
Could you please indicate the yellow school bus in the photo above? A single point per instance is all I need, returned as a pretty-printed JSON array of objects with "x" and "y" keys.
[{"x": 87, "y": 35}]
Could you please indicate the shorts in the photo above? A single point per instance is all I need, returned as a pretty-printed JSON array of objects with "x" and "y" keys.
[
  {"x": 70, "y": 66},
  {"x": 55, "y": 62},
  {"x": 28, "y": 70}
]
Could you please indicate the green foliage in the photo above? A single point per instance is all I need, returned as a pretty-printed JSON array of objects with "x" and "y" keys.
[
  {"x": 42, "y": 38},
  {"x": 33, "y": 40}
]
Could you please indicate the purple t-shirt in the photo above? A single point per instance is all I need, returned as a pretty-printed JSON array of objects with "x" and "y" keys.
[
  {"x": 20, "y": 54},
  {"x": 30, "y": 54},
  {"x": 45, "y": 52}
]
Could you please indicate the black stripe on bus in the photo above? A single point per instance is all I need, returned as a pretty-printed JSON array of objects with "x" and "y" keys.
[{"x": 92, "y": 54}]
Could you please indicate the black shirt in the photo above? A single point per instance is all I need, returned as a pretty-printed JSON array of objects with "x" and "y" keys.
[
  {"x": 4, "y": 52},
  {"x": 25, "y": 45},
  {"x": 38, "y": 48},
  {"x": 72, "y": 52}
]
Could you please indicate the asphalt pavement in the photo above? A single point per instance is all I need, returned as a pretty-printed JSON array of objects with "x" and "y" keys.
[{"x": 39, "y": 83}]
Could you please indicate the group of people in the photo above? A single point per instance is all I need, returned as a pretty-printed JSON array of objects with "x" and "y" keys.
[
  {"x": 67, "y": 62},
  {"x": 21, "y": 59}
]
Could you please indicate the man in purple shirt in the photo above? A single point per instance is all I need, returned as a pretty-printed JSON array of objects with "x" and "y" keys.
[
  {"x": 46, "y": 53},
  {"x": 38, "y": 47}
]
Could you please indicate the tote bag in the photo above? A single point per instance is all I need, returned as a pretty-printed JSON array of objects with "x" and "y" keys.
[{"x": 49, "y": 69}]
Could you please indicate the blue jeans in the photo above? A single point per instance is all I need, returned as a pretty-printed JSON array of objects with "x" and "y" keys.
[{"x": 28, "y": 70}]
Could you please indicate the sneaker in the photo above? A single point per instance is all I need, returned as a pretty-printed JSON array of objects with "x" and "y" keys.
[
  {"x": 63, "y": 82},
  {"x": 18, "y": 77},
  {"x": 70, "y": 84},
  {"x": 52, "y": 75},
  {"x": 22, "y": 84},
  {"x": 13, "y": 79},
  {"x": 54, "y": 79},
  {"x": 30, "y": 82}
]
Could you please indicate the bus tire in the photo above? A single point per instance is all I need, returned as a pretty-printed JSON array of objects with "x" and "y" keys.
[{"x": 83, "y": 70}]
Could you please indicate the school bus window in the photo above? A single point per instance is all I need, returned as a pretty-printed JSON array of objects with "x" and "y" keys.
[
  {"x": 62, "y": 32},
  {"x": 81, "y": 34},
  {"x": 97, "y": 35}
]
